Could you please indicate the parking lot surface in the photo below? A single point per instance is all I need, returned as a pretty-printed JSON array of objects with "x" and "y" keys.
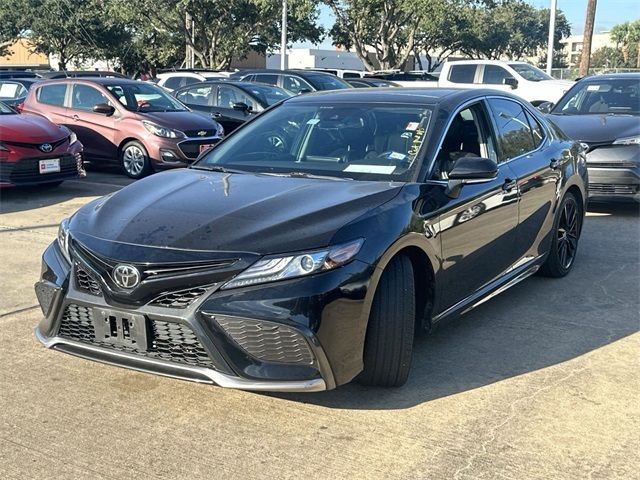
[{"x": 541, "y": 382}]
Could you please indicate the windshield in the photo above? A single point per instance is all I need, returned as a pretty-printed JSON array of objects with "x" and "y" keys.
[
  {"x": 4, "y": 110},
  {"x": 268, "y": 95},
  {"x": 145, "y": 97},
  {"x": 529, "y": 72},
  {"x": 601, "y": 96},
  {"x": 362, "y": 142},
  {"x": 326, "y": 82}
]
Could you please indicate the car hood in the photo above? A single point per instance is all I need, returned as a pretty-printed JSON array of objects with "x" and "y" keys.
[
  {"x": 180, "y": 120},
  {"x": 29, "y": 128},
  {"x": 208, "y": 211},
  {"x": 597, "y": 128}
]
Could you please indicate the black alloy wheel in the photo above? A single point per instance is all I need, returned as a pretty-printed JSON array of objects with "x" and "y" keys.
[{"x": 564, "y": 244}]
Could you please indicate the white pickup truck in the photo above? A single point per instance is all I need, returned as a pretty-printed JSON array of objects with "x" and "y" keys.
[{"x": 519, "y": 78}]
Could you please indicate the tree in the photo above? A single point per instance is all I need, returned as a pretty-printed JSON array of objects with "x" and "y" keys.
[
  {"x": 607, "y": 57},
  {"x": 588, "y": 35},
  {"x": 627, "y": 34},
  {"x": 387, "y": 26},
  {"x": 12, "y": 23},
  {"x": 223, "y": 30}
]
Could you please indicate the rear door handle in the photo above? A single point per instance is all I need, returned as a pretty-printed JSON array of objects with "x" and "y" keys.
[
  {"x": 554, "y": 164},
  {"x": 509, "y": 185},
  {"x": 76, "y": 118}
]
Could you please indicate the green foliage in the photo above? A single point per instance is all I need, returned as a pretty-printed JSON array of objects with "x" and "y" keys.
[{"x": 627, "y": 37}]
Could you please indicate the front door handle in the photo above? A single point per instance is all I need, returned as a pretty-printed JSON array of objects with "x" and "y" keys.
[
  {"x": 76, "y": 118},
  {"x": 509, "y": 185},
  {"x": 216, "y": 115}
]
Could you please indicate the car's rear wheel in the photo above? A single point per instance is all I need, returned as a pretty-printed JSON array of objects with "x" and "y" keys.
[
  {"x": 564, "y": 243},
  {"x": 135, "y": 160},
  {"x": 389, "y": 342}
]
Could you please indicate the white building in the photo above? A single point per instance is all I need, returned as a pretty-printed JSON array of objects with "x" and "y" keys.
[
  {"x": 316, "y": 58},
  {"x": 573, "y": 46}
]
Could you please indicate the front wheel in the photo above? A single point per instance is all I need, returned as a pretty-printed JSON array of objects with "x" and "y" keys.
[
  {"x": 564, "y": 243},
  {"x": 135, "y": 160},
  {"x": 389, "y": 342}
]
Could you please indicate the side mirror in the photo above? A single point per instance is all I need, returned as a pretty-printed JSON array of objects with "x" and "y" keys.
[
  {"x": 470, "y": 170},
  {"x": 512, "y": 82},
  {"x": 303, "y": 91},
  {"x": 546, "y": 107},
  {"x": 241, "y": 106},
  {"x": 104, "y": 109}
]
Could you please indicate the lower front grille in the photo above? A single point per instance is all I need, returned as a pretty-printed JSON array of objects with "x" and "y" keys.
[
  {"x": 28, "y": 170},
  {"x": 86, "y": 282},
  {"x": 191, "y": 148},
  {"x": 173, "y": 342},
  {"x": 611, "y": 189},
  {"x": 179, "y": 299}
]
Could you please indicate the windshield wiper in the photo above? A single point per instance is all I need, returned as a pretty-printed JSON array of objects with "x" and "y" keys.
[
  {"x": 306, "y": 175},
  {"x": 216, "y": 168}
]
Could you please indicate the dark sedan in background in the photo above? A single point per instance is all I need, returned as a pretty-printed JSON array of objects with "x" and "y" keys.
[
  {"x": 302, "y": 264},
  {"x": 13, "y": 91},
  {"x": 603, "y": 111},
  {"x": 230, "y": 103},
  {"x": 295, "y": 81}
]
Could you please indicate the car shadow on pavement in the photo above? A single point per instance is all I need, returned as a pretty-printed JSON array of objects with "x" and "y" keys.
[
  {"x": 96, "y": 183},
  {"x": 537, "y": 324}
]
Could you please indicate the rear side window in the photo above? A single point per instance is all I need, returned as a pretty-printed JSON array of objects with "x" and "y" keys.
[
  {"x": 462, "y": 73},
  {"x": 52, "y": 94},
  {"x": 515, "y": 136},
  {"x": 536, "y": 130},
  {"x": 11, "y": 90},
  {"x": 268, "y": 79},
  {"x": 350, "y": 75},
  {"x": 191, "y": 80}
]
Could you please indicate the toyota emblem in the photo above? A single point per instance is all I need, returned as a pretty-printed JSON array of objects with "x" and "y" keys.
[
  {"x": 46, "y": 147},
  {"x": 126, "y": 276},
  {"x": 202, "y": 133}
]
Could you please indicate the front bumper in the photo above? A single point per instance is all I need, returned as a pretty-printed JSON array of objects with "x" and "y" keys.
[
  {"x": 21, "y": 167},
  {"x": 176, "y": 153},
  {"x": 614, "y": 172},
  {"x": 322, "y": 325}
]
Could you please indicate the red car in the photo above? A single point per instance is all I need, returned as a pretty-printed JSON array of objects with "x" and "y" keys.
[{"x": 34, "y": 150}]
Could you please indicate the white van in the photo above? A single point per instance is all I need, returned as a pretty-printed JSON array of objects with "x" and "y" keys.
[{"x": 519, "y": 78}]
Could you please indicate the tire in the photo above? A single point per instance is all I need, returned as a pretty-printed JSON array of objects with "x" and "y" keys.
[
  {"x": 389, "y": 341},
  {"x": 134, "y": 160},
  {"x": 566, "y": 234}
]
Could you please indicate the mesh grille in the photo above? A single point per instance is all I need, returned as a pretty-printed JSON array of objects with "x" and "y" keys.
[
  {"x": 612, "y": 189},
  {"x": 179, "y": 299},
  {"x": 172, "y": 342},
  {"x": 267, "y": 341},
  {"x": 86, "y": 282}
]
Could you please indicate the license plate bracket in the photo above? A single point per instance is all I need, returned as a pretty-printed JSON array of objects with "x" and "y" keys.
[
  {"x": 121, "y": 328},
  {"x": 50, "y": 165},
  {"x": 206, "y": 146}
]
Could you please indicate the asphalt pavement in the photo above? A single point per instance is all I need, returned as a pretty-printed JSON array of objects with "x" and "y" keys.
[{"x": 541, "y": 382}]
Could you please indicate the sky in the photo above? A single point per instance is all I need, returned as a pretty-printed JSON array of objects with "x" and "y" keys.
[{"x": 608, "y": 14}]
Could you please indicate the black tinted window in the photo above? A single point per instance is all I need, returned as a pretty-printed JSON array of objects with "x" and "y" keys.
[
  {"x": 350, "y": 75},
  {"x": 173, "y": 82},
  {"x": 269, "y": 79},
  {"x": 514, "y": 133},
  {"x": 494, "y": 75},
  {"x": 536, "y": 130},
  {"x": 52, "y": 94},
  {"x": 462, "y": 73}
]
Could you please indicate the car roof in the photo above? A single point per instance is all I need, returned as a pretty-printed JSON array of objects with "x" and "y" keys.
[
  {"x": 612, "y": 76},
  {"x": 418, "y": 96},
  {"x": 300, "y": 72},
  {"x": 94, "y": 80}
]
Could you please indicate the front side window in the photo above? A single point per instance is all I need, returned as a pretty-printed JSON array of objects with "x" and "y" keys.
[
  {"x": 268, "y": 95},
  {"x": 200, "y": 95},
  {"x": 228, "y": 96},
  {"x": 173, "y": 82},
  {"x": 144, "y": 97},
  {"x": 514, "y": 132},
  {"x": 295, "y": 84},
  {"x": 362, "y": 142},
  {"x": 598, "y": 97},
  {"x": 529, "y": 72},
  {"x": 324, "y": 82},
  {"x": 4, "y": 110},
  {"x": 462, "y": 73},
  {"x": 495, "y": 75},
  {"x": 85, "y": 98},
  {"x": 52, "y": 94}
]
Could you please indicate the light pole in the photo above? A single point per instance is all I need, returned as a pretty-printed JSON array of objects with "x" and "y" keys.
[
  {"x": 283, "y": 37},
  {"x": 552, "y": 31}
]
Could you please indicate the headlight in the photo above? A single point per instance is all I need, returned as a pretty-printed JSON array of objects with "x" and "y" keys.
[
  {"x": 635, "y": 140},
  {"x": 160, "y": 131},
  {"x": 270, "y": 269},
  {"x": 73, "y": 138},
  {"x": 63, "y": 238}
]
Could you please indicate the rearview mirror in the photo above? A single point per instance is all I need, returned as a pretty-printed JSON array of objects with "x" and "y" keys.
[
  {"x": 241, "y": 106},
  {"x": 470, "y": 170},
  {"x": 546, "y": 107},
  {"x": 104, "y": 109},
  {"x": 512, "y": 82}
]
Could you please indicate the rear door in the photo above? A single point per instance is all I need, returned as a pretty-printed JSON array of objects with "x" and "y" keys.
[
  {"x": 463, "y": 76},
  {"x": 96, "y": 131},
  {"x": 50, "y": 103},
  {"x": 525, "y": 145}
]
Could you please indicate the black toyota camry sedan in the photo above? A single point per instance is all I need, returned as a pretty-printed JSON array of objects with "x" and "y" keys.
[
  {"x": 603, "y": 111},
  {"x": 309, "y": 246}
]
